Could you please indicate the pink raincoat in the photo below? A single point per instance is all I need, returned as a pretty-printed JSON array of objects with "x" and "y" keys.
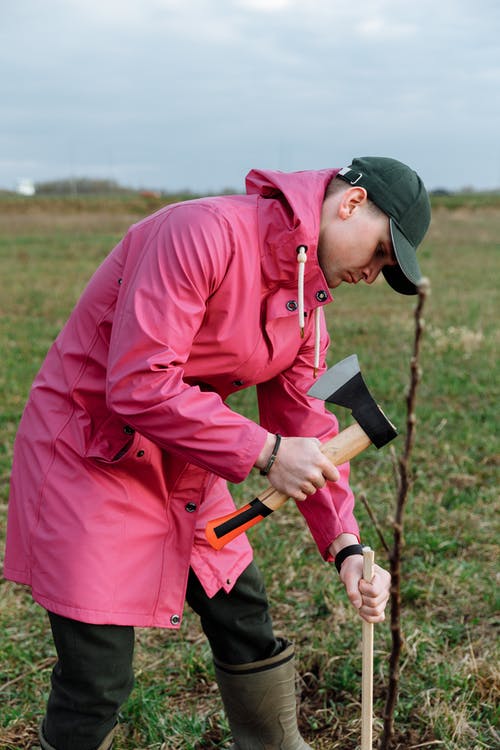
[{"x": 126, "y": 441}]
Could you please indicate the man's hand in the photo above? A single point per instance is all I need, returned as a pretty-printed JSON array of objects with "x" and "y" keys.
[
  {"x": 369, "y": 598},
  {"x": 300, "y": 467}
]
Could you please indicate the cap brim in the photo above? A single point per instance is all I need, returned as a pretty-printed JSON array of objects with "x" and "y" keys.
[{"x": 404, "y": 277}]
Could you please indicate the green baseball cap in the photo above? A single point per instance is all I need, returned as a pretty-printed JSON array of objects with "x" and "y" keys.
[{"x": 400, "y": 193}]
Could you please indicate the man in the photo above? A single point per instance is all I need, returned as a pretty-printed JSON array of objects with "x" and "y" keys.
[{"x": 126, "y": 442}]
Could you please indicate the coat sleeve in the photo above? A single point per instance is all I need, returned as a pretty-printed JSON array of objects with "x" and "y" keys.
[
  {"x": 173, "y": 264},
  {"x": 285, "y": 408}
]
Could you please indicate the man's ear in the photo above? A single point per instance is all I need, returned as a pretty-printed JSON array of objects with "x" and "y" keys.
[{"x": 353, "y": 198}]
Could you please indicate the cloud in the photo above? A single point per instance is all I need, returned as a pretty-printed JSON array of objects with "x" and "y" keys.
[
  {"x": 195, "y": 92},
  {"x": 265, "y": 6},
  {"x": 384, "y": 29}
]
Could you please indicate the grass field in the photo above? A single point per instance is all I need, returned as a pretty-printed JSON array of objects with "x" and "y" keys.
[{"x": 449, "y": 686}]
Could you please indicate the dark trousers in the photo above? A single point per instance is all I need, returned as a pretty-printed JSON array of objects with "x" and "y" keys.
[{"x": 93, "y": 675}]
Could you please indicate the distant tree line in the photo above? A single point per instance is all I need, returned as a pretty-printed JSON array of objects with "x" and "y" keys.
[
  {"x": 89, "y": 186},
  {"x": 81, "y": 186}
]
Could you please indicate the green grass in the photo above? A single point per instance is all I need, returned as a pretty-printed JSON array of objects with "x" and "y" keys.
[{"x": 449, "y": 672}]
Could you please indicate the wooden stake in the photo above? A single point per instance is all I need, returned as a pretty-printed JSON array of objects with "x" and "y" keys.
[{"x": 367, "y": 664}]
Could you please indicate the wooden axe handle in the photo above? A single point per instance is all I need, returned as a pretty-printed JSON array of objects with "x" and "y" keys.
[{"x": 339, "y": 449}]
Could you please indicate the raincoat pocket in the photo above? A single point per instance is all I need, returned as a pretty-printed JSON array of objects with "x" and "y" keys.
[{"x": 112, "y": 441}]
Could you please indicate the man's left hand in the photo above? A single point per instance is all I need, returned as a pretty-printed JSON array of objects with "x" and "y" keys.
[{"x": 369, "y": 598}]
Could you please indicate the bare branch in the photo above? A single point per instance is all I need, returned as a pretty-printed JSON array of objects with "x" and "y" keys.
[
  {"x": 374, "y": 521},
  {"x": 395, "y": 554}
]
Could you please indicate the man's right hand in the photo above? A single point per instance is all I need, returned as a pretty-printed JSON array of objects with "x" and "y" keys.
[{"x": 300, "y": 467}]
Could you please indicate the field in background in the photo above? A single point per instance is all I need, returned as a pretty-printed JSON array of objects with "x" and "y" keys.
[{"x": 449, "y": 676}]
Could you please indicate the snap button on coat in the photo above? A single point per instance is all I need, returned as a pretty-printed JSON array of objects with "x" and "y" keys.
[
  {"x": 291, "y": 305},
  {"x": 321, "y": 295},
  {"x": 175, "y": 619},
  {"x": 190, "y": 507}
]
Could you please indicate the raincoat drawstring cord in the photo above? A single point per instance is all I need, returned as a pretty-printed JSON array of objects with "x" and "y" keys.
[
  {"x": 317, "y": 338},
  {"x": 302, "y": 260}
]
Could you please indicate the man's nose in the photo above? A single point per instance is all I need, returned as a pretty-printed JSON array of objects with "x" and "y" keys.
[{"x": 371, "y": 272}]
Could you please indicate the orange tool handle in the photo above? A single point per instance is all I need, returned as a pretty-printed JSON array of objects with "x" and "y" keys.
[{"x": 341, "y": 448}]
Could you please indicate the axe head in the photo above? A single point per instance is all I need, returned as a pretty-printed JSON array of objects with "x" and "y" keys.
[{"x": 343, "y": 385}]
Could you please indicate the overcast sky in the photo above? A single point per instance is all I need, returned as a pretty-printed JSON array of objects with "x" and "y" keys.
[{"x": 172, "y": 94}]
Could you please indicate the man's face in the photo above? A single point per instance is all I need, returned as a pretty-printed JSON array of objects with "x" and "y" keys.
[{"x": 354, "y": 241}]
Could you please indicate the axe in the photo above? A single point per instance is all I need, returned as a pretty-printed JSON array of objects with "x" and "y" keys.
[{"x": 343, "y": 385}]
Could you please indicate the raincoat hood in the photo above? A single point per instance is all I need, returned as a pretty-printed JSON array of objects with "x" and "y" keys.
[
  {"x": 289, "y": 218},
  {"x": 293, "y": 217}
]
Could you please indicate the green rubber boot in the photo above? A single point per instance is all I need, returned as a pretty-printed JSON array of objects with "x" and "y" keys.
[
  {"x": 105, "y": 744},
  {"x": 260, "y": 703}
]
